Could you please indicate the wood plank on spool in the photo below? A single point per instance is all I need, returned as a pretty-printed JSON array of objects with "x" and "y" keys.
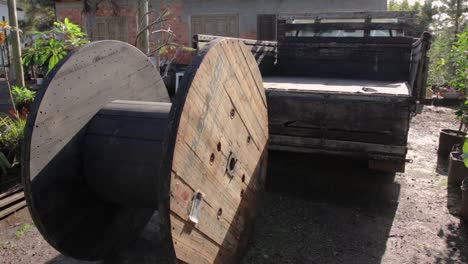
[{"x": 224, "y": 106}]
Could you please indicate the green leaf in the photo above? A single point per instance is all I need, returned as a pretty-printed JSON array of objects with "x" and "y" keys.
[
  {"x": 4, "y": 163},
  {"x": 465, "y": 153},
  {"x": 53, "y": 61}
]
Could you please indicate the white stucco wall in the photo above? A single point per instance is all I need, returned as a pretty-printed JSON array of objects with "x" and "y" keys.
[{"x": 4, "y": 12}]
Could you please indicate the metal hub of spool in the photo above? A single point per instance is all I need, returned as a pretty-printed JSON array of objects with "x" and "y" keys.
[{"x": 105, "y": 148}]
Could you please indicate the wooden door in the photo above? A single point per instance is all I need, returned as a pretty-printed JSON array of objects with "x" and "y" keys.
[
  {"x": 218, "y": 25},
  {"x": 266, "y": 27},
  {"x": 111, "y": 28}
]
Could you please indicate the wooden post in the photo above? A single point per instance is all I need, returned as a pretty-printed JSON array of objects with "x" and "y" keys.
[
  {"x": 143, "y": 21},
  {"x": 16, "y": 44}
]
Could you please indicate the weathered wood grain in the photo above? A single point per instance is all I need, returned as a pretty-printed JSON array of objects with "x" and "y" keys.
[
  {"x": 419, "y": 66},
  {"x": 338, "y": 58},
  {"x": 347, "y": 117},
  {"x": 344, "y": 26},
  {"x": 263, "y": 51},
  {"x": 222, "y": 113},
  {"x": 351, "y": 15}
]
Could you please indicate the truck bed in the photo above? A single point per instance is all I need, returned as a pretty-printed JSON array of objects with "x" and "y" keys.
[
  {"x": 331, "y": 85},
  {"x": 362, "y": 118}
]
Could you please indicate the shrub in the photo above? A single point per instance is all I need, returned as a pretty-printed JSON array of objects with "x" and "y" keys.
[
  {"x": 4, "y": 163},
  {"x": 50, "y": 47},
  {"x": 11, "y": 134},
  {"x": 22, "y": 97}
]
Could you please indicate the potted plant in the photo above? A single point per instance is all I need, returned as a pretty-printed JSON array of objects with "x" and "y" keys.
[
  {"x": 22, "y": 98},
  {"x": 456, "y": 167},
  {"x": 464, "y": 185},
  {"x": 11, "y": 134}
]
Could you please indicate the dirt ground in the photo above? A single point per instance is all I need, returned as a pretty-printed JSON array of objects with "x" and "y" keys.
[{"x": 323, "y": 210}]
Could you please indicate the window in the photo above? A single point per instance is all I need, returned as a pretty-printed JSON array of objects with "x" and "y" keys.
[{"x": 218, "y": 25}]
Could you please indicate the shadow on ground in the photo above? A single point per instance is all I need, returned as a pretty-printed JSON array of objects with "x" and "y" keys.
[{"x": 323, "y": 210}]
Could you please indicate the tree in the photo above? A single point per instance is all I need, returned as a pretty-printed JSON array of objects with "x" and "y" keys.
[
  {"x": 439, "y": 54},
  {"x": 424, "y": 14},
  {"x": 40, "y": 15},
  {"x": 451, "y": 14}
]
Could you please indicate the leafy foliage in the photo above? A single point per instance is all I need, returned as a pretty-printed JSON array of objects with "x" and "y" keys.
[
  {"x": 465, "y": 153},
  {"x": 439, "y": 68},
  {"x": 50, "y": 47},
  {"x": 22, "y": 96},
  {"x": 459, "y": 81},
  {"x": 4, "y": 163},
  {"x": 11, "y": 133},
  {"x": 71, "y": 33},
  {"x": 23, "y": 230},
  {"x": 39, "y": 14},
  {"x": 450, "y": 15},
  {"x": 459, "y": 57},
  {"x": 424, "y": 14}
]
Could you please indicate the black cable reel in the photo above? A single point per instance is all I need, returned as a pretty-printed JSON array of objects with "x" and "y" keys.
[{"x": 105, "y": 148}]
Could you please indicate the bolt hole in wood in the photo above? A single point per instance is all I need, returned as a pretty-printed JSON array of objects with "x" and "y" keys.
[
  {"x": 220, "y": 213},
  {"x": 243, "y": 178},
  {"x": 233, "y": 113},
  {"x": 219, "y": 146},
  {"x": 232, "y": 163},
  {"x": 212, "y": 158},
  {"x": 249, "y": 139}
]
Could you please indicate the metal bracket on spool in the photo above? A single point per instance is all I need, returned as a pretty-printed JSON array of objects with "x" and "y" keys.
[
  {"x": 231, "y": 164},
  {"x": 195, "y": 209}
]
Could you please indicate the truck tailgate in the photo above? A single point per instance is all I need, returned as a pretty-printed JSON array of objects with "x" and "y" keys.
[{"x": 358, "y": 117}]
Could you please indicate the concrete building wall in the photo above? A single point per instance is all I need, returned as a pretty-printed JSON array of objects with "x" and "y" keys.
[{"x": 4, "y": 12}]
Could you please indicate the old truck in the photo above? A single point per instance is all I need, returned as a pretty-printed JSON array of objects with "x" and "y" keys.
[{"x": 343, "y": 84}]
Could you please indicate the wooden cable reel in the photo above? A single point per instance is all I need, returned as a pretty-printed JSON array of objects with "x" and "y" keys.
[{"x": 104, "y": 148}]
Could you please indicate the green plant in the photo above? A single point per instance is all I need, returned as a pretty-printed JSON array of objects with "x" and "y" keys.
[
  {"x": 439, "y": 55},
  {"x": 72, "y": 35},
  {"x": 4, "y": 163},
  {"x": 20, "y": 232},
  {"x": 45, "y": 53},
  {"x": 459, "y": 57},
  {"x": 465, "y": 152},
  {"x": 11, "y": 134},
  {"x": 50, "y": 47},
  {"x": 22, "y": 96}
]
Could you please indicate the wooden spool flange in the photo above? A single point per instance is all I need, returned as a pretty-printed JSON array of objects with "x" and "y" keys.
[{"x": 104, "y": 148}]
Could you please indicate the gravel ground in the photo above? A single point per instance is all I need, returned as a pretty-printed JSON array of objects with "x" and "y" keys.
[{"x": 323, "y": 210}]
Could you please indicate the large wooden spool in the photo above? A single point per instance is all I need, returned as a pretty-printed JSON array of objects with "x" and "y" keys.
[{"x": 105, "y": 148}]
